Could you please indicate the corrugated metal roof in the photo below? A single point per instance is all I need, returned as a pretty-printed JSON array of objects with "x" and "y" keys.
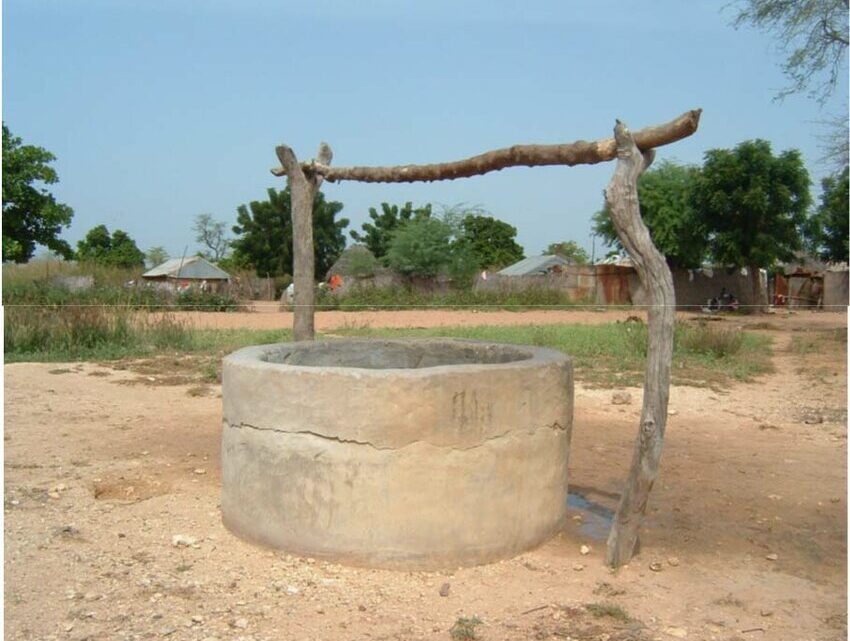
[
  {"x": 533, "y": 265},
  {"x": 192, "y": 267}
]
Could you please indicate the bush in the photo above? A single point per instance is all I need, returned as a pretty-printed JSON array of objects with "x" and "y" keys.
[
  {"x": 195, "y": 300},
  {"x": 363, "y": 264},
  {"x": 719, "y": 342}
]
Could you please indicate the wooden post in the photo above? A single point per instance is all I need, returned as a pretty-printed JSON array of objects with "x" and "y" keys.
[
  {"x": 657, "y": 281},
  {"x": 302, "y": 191}
]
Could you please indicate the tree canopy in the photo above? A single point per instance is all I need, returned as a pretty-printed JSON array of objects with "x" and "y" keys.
[
  {"x": 421, "y": 247},
  {"x": 491, "y": 242},
  {"x": 116, "y": 249},
  {"x": 570, "y": 250},
  {"x": 377, "y": 235},
  {"x": 264, "y": 234},
  {"x": 666, "y": 206},
  {"x": 813, "y": 35},
  {"x": 752, "y": 203},
  {"x": 31, "y": 214},
  {"x": 828, "y": 229}
]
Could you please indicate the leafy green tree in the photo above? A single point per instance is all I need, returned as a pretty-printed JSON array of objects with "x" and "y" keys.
[
  {"x": 212, "y": 234},
  {"x": 813, "y": 34},
  {"x": 264, "y": 230},
  {"x": 570, "y": 250},
  {"x": 421, "y": 247},
  {"x": 667, "y": 209},
  {"x": 115, "y": 250},
  {"x": 31, "y": 214},
  {"x": 156, "y": 256},
  {"x": 377, "y": 235},
  {"x": 753, "y": 205},
  {"x": 491, "y": 242},
  {"x": 827, "y": 229}
]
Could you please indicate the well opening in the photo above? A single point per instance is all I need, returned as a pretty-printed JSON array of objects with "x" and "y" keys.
[{"x": 388, "y": 354}]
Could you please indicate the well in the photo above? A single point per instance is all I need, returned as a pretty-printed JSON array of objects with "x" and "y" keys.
[{"x": 396, "y": 453}]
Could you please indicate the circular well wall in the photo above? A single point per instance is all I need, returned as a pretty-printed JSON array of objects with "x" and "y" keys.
[{"x": 420, "y": 454}]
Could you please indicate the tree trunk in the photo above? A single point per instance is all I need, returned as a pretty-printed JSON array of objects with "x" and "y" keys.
[
  {"x": 755, "y": 279},
  {"x": 657, "y": 281},
  {"x": 302, "y": 191},
  {"x": 580, "y": 152}
]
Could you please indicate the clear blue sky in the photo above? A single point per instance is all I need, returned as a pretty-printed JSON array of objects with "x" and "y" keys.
[{"x": 159, "y": 110}]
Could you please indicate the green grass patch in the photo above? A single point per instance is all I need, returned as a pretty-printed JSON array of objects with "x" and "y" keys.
[
  {"x": 394, "y": 298},
  {"x": 611, "y": 355},
  {"x": 614, "y": 354}
]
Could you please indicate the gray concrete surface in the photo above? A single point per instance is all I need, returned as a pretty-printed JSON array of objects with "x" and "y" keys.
[{"x": 419, "y": 454}]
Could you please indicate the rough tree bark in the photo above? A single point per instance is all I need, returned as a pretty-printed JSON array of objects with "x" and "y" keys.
[
  {"x": 755, "y": 285},
  {"x": 302, "y": 191},
  {"x": 657, "y": 281},
  {"x": 580, "y": 152}
]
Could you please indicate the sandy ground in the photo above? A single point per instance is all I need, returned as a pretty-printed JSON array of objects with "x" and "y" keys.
[
  {"x": 266, "y": 315},
  {"x": 746, "y": 527}
]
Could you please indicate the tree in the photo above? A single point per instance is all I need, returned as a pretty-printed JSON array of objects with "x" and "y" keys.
[
  {"x": 827, "y": 229},
  {"x": 115, "y": 250},
  {"x": 211, "y": 234},
  {"x": 156, "y": 256},
  {"x": 753, "y": 205},
  {"x": 31, "y": 214},
  {"x": 813, "y": 34},
  {"x": 570, "y": 250},
  {"x": 490, "y": 241},
  {"x": 378, "y": 234},
  {"x": 265, "y": 234},
  {"x": 421, "y": 247},
  {"x": 667, "y": 210}
]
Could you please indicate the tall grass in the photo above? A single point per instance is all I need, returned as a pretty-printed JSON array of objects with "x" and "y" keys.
[
  {"x": 78, "y": 333},
  {"x": 109, "y": 333}
]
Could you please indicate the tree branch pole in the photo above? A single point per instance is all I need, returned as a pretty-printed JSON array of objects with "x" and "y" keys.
[
  {"x": 654, "y": 274},
  {"x": 581, "y": 152},
  {"x": 302, "y": 191}
]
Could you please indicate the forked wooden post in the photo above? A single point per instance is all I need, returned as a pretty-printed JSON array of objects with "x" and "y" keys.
[
  {"x": 302, "y": 191},
  {"x": 657, "y": 281}
]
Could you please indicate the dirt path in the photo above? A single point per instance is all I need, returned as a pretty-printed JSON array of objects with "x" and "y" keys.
[{"x": 102, "y": 472}]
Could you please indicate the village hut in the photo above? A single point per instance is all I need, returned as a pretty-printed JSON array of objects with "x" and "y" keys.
[{"x": 182, "y": 273}]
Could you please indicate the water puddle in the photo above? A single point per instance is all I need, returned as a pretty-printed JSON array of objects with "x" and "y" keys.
[{"x": 596, "y": 518}]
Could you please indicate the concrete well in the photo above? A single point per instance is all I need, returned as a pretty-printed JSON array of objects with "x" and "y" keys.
[{"x": 422, "y": 454}]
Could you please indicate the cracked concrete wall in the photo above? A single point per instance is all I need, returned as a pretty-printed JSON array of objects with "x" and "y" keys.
[{"x": 429, "y": 467}]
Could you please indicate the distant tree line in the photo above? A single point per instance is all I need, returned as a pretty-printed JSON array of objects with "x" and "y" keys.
[{"x": 744, "y": 207}]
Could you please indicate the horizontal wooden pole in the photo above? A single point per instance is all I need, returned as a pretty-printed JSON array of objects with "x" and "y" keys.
[{"x": 580, "y": 152}]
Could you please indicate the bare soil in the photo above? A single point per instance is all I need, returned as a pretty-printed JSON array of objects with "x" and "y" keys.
[{"x": 746, "y": 535}]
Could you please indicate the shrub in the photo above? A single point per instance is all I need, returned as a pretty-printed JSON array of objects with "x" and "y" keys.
[
  {"x": 363, "y": 264},
  {"x": 464, "y": 628},
  {"x": 719, "y": 342}
]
